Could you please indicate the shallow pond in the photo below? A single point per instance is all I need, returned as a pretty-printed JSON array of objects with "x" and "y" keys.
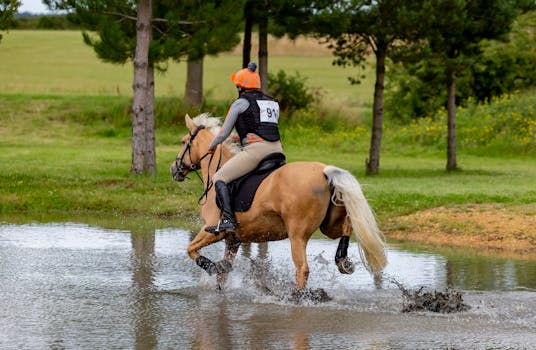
[{"x": 74, "y": 286}]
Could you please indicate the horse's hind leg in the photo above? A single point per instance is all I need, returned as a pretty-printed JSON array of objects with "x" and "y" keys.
[
  {"x": 226, "y": 265},
  {"x": 345, "y": 265},
  {"x": 336, "y": 224}
]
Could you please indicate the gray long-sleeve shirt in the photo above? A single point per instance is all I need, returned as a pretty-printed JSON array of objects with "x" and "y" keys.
[{"x": 238, "y": 106}]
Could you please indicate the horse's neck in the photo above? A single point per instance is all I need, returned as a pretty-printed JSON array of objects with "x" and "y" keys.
[{"x": 211, "y": 164}]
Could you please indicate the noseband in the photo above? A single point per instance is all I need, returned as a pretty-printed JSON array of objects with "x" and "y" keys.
[{"x": 182, "y": 169}]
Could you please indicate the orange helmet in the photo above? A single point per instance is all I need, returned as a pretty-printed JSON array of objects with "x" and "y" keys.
[{"x": 247, "y": 78}]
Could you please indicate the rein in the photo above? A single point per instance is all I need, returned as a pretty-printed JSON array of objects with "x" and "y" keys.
[
  {"x": 179, "y": 163},
  {"x": 209, "y": 181}
]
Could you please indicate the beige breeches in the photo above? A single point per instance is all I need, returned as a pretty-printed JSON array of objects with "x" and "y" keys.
[{"x": 246, "y": 160}]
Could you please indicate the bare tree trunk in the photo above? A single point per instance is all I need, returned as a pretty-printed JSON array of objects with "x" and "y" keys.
[
  {"x": 451, "y": 128},
  {"x": 373, "y": 163},
  {"x": 193, "y": 94},
  {"x": 141, "y": 88},
  {"x": 150, "y": 152},
  {"x": 263, "y": 52},
  {"x": 248, "y": 27}
]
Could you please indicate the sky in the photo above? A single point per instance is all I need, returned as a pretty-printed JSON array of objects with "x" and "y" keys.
[{"x": 33, "y": 6}]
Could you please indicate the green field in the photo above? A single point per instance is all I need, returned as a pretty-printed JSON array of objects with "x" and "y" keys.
[
  {"x": 57, "y": 62},
  {"x": 65, "y": 140}
]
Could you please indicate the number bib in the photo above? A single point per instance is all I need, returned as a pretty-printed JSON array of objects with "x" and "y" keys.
[{"x": 269, "y": 111}]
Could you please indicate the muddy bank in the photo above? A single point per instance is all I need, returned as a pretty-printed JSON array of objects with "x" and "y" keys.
[{"x": 503, "y": 230}]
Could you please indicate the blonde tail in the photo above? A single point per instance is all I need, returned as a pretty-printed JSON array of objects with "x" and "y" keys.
[{"x": 347, "y": 191}]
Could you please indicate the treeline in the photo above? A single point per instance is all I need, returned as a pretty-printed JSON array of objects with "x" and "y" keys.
[
  {"x": 503, "y": 66},
  {"x": 31, "y": 21},
  {"x": 429, "y": 53}
]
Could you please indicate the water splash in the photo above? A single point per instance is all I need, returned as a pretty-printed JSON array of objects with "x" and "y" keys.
[{"x": 449, "y": 301}]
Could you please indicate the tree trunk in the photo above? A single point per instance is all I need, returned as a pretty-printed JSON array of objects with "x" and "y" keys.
[
  {"x": 141, "y": 104},
  {"x": 263, "y": 52},
  {"x": 150, "y": 152},
  {"x": 373, "y": 163},
  {"x": 248, "y": 27},
  {"x": 193, "y": 94},
  {"x": 451, "y": 128}
]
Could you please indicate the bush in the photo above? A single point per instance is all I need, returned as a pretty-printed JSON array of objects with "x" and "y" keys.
[
  {"x": 504, "y": 126},
  {"x": 290, "y": 91},
  {"x": 420, "y": 88}
]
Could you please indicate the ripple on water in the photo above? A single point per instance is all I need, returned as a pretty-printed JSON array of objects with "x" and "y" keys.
[{"x": 77, "y": 286}]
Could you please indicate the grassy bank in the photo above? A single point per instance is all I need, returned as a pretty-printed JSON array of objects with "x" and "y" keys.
[
  {"x": 65, "y": 138},
  {"x": 71, "y": 155}
]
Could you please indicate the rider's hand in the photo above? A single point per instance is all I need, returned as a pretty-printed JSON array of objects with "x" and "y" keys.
[{"x": 212, "y": 150}]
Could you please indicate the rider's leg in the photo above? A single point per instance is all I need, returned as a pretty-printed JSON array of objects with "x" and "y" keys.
[
  {"x": 239, "y": 165},
  {"x": 228, "y": 221}
]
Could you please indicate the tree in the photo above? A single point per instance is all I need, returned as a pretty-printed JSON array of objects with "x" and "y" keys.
[
  {"x": 148, "y": 34},
  {"x": 454, "y": 29},
  {"x": 248, "y": 28},
  {"x": 362, "y": 27},
  {"x": 257, "y": 11},
  {"x": 417, "y": 82},
  {"x": 125, "y": 33},
  {"x": 8, "y": 8},
  {"x": 506, "y": 66},
  {"x": 278, "y": 17},
  {"x": 214, "y": 28},
  {"x": 143, "y": 147}
]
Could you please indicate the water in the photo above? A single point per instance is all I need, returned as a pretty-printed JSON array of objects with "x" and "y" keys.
[{"x": 73, "y": 286}]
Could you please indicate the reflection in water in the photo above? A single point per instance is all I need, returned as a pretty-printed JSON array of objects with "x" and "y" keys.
[
  {"x": 466, "y": 269},
  {"x": 212, "y": 328},
  {"x": 491, "y": 274},
  {"x": 75, "y": 286},
  {"x": 145, "y": 306}
]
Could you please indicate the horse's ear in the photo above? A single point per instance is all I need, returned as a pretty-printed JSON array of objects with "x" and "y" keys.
[{"x": 189, "y": 123}]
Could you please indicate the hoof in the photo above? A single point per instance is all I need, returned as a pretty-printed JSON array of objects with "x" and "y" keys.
[
  {"x": 224, "y": 266},
  {"x": 346, "y": 266},
  {"x": 206, "y": 264},
  {"x": 314, "y": 295}
]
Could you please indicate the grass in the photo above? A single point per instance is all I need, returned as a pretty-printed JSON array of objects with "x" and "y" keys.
[
  {"x": 58, "y": 62},
  {"x": 65, "y": 140},
  {"x": 55, "y": 161}
]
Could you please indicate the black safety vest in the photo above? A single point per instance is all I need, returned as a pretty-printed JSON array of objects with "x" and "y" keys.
[{"x": 260, "y": 118}]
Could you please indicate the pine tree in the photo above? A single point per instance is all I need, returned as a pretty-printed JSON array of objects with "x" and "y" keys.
[
  {"x": 454, "y": 29},
  {"x": 8, "y": 8},
  {"x": 147, "y": 33},
  {"x": 357, "y": 28}
]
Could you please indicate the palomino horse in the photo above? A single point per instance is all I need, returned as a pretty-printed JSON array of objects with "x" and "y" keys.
[{"x": 292, "y": 202}]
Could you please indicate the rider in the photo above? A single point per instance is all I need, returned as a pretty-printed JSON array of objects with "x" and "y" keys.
[{"x": 255, "y": 117}]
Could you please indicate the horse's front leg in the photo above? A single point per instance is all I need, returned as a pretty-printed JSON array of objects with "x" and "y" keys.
[
  {"x": 298, "y": 246},
  {"x": 200, "y": 241},
  {"x": 225, "y": 266}
]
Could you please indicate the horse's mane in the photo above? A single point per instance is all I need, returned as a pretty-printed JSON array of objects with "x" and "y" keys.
[{"x": 213, "y": 125}]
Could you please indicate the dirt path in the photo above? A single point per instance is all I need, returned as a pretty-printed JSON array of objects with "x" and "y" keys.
[{"x": 507, "y": 229}]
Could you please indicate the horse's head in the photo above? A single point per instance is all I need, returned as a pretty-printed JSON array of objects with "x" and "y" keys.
[{"x": 189, "y": 157}]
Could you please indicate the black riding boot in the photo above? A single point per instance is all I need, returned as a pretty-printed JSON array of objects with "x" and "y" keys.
[{"x": 227, "y": 222}]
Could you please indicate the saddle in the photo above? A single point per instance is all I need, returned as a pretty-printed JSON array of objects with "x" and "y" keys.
[{"x": 243, "y": 189}]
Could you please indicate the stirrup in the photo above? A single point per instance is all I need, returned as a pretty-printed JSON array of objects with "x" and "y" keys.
[{"x": 224, "y": 226}]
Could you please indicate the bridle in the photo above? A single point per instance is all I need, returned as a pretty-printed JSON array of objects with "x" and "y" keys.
[{"x": 183, "y": 170}]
